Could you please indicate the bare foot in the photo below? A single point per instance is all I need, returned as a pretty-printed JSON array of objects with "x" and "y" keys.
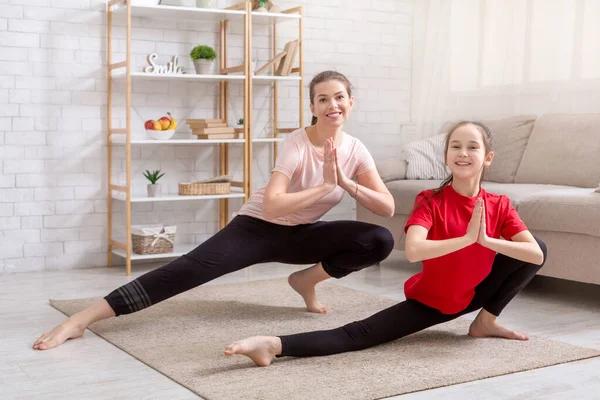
[
  {"x": 488, "y": 326},
  {"x": 69, "y": 329},
  {"x": 260, "y": 349},
  {"x": 306, "y": 289}
]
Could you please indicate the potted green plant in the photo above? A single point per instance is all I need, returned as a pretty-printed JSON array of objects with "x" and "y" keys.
[
  {"x": 203, "y": 58},
  {"x": 240, "y": 122},
  {"x": 153, "y": 187}
]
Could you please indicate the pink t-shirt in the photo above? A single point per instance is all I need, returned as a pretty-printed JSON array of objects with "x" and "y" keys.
[{"x": 303, "y": 164}]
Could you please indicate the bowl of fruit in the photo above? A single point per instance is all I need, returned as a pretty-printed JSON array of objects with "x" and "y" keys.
[{"x": 161, "y": 129}]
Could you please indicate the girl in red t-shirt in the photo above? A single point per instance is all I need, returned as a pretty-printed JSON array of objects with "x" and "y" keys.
[{"x": 455, "y": 231}]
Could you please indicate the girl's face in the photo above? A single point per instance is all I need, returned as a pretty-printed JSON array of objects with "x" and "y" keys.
[
  {"x": 332, "y": 104},
  {"x": 466, "y": 156}
]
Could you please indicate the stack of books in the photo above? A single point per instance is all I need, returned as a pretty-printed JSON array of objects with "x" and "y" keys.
[{"x": 212, "y": 129}]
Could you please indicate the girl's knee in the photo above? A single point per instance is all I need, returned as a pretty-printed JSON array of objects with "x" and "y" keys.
[{"x": 543, "y": 247}]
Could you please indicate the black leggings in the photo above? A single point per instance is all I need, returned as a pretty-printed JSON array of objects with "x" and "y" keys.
[
  {"x": 507, "y": 278},
  {"x": 342, "y": 247}
]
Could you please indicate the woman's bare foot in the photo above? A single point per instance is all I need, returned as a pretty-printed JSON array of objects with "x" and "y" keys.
[
  {"x": 487, "y": 325},
  {"x": 304, "y": 283},
  {"x": 69, "y": 329},
  {"x": 74, "y": 326},
  {"x": 260, "y": 349}
]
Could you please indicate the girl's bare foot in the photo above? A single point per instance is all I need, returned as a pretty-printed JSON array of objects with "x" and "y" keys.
[
  {"x": 304, "y": 283},
  {"x": 69, "y": 329},
  {"x": 486, "y": 325},
  {"x": 260, "y": 349}
]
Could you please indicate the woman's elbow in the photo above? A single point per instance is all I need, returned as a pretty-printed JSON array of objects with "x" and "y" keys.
[{"x": 267, "y": 211}]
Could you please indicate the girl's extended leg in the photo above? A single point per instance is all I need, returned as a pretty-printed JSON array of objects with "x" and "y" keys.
[
  {"x": 390, "y": 324},
  {"x": 243, "y": 242}
]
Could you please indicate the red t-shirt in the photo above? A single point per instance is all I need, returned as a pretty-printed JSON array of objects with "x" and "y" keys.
[{"x": 448, "y": 283}]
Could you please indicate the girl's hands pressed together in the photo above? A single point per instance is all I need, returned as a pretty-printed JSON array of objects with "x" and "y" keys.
[
  {"x": 474, "y": 226},
  {"x": 330, "y": 174},
  {"x": 483, "y": 237}
]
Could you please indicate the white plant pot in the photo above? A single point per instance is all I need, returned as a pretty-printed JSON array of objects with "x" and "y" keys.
[
  {"x": 153, "y": 190},
  {"x": 204, "y": 67},
  {"x": 261, "y": 9},
  {"x": 206, "y": 3},
  {"x": 275, "y": 9}
]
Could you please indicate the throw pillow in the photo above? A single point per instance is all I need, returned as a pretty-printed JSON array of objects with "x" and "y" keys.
[{"x": 425, "y": 159}]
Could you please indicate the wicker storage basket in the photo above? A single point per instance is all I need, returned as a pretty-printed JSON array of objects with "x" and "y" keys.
[
  {"x": 199, "y": 188},
  {"x": 152, "y": 239}
]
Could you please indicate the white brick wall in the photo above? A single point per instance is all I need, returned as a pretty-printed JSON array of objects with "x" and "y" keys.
[{"x": 53, "y": 114}]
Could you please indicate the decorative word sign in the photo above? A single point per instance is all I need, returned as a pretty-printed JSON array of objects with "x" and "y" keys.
[{"x": 171, "y": 68}]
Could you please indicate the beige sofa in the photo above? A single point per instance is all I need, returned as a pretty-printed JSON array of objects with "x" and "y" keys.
[{"x": 549, "y": 166}]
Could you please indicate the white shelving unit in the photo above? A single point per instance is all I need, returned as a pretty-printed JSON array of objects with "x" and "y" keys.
[{"x": 124, "y": 71}]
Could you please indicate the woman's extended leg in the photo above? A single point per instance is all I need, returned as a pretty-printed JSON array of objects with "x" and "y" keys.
[
  {"x": 243, "y": 242},
  {"x": 337, "y": 248}
]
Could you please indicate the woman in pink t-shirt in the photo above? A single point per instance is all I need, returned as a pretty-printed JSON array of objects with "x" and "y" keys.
[
  {"x": 455, "y": 231},
  {"x": 280, "y": 222}
]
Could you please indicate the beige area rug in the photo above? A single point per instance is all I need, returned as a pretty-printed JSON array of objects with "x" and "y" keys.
[{"x": 184, "y": 337}]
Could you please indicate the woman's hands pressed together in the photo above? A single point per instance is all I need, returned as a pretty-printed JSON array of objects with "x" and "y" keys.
[{"x": 330, "y": 170}]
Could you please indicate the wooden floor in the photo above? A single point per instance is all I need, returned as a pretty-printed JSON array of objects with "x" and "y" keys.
[{"x": 91, "y": 368}]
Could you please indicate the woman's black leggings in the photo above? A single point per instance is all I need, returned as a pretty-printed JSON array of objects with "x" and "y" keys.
[
  {"x": 507, "y": 278},
  {"x": 342, "y": 247}
]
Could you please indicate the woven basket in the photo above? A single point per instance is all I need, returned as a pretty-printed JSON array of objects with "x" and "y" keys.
[
  {"x": 198, "y": 189},
  {"x": 144, "y": 236}
]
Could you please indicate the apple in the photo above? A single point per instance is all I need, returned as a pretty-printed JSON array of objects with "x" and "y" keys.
[
  {"x": 157, "y": 126},
  {"x": 149, "y": 124},
  {"x": 165, "y": 122}
]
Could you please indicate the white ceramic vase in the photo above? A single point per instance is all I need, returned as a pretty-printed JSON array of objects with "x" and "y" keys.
[{"x": 153, "y": 190}]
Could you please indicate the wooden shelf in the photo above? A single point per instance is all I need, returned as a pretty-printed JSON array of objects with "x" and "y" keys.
[
  {"x": 261, "y": 18},
  {"x": 181, "y": 77},
  {"x": 120, "y": 139},
  {"x": 175, "y": 197},
  {"x": 268, "y": 140},
  {"x": 178, "y": 251},
  {"x": 205, "y": 14},
  {"x": 176, "y": 12},
  {"x": 276, "y": 78},
  {"x": 196, "y": 77}
]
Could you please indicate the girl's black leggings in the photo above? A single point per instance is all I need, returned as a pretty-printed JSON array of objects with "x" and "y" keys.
[
  {"x": 342, "y": 247},
  {"x": 507, "y": 278}
]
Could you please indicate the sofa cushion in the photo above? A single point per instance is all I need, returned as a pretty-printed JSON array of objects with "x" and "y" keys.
[
  {"x": 563, "y": 150},
  {"x": 391, "y": 169},
  {"x": 517, "y": 192},
  {"x": 425, "y": 159},
  {"x": 405, "y": 192},
  {"x": 573, "y": 210},
  {"x": 509, "y": 140}
]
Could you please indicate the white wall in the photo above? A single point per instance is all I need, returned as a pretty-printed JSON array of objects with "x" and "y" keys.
[{"x": 53, "y": 115}]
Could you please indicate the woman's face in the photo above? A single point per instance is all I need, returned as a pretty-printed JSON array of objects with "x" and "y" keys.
[{"x": 331, "y": 104}]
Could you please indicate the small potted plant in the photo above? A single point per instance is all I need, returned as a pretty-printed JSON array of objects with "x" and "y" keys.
[
  {"x": 203, "y": 58},
  {"x": 153, "y": 187}
]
